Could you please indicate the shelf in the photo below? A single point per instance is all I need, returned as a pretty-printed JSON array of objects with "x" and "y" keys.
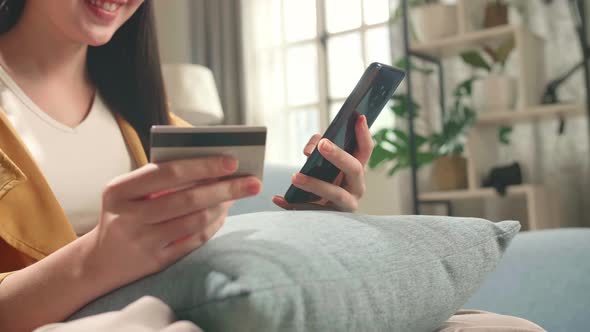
[
  {"x": 457, "y": 195},
  {"x": 529, "y": 114},
  {"x": 468, "y": 41}
]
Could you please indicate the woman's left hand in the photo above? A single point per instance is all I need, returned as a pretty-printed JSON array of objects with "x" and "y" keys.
[{"x": 348, "y": 188}]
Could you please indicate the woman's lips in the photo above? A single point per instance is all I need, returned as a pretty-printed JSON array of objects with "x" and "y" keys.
[{"x": 105, "y": 11}]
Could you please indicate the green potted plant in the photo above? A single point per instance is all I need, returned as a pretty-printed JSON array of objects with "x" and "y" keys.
[
  {"x": 450, "y": 167},
  {"x": 444, "y": 148},
  {"x": 393, "y": 145},
  {"x": 430, "y": 19},
  {"x": 496, "y": 90}
]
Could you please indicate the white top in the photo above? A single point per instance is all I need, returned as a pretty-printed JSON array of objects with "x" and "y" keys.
[{"x": 77, "y": 162}]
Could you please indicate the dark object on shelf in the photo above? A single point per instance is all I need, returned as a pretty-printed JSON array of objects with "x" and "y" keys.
[
  {"x": 502, "y": 177},
  {"x": 496, "y": 14}
]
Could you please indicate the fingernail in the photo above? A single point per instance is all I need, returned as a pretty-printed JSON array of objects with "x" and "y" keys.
[
  {"x": 253, "y": 186},
  {"x": 299, "y": 178},
  {"x": 230, "y": 164},
  {"x": 327, "y": 146},
  {"x": 364, "y": 121}
]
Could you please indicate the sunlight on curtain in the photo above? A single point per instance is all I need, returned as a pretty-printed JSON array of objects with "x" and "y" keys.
[{"x": 264, "y": 63}]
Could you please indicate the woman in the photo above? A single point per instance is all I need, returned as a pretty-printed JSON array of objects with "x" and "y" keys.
[{"x": 80, "y": 87}]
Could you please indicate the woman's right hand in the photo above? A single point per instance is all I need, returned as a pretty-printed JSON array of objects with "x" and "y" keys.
[{"x": 147, "y": 223}]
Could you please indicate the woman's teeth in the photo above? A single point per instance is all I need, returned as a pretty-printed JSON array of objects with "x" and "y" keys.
[{"x": 108, "y": 6}]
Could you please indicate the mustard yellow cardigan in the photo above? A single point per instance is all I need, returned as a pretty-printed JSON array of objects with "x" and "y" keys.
[{"x": 32, "y": 223}]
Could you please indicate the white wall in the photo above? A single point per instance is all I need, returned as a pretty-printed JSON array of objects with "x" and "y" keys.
[
  {"x": 173, "y": 25},
  {"x": 387, "y": 195}
]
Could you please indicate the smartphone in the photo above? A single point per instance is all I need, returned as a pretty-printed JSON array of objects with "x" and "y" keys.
[
  {"x": 368, "y": 98},
  {"x": 245, "y": 143}
]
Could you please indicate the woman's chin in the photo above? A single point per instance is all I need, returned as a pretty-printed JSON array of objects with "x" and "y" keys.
[
  {"x": 97, "y": 43},
  {"x": 98, "y": 39}
]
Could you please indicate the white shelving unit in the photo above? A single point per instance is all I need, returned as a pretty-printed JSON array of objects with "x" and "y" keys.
[
  {"x": 437, "y": 196},
  {"x": 540, "y": 209},
  {"x": 465, "y": 41},
  {"x": 529, "y": 50},
  {"x": 529, "y": 114}
]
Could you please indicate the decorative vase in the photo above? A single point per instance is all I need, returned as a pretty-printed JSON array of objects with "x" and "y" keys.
[
  {"x": 434, "y": 21},
  {"x": 496, "y": 14},
  {"x": 449, "y": 173},
  {"x": 494, "y": 93}
]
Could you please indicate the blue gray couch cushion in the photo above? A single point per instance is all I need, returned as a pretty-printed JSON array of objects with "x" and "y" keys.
[
  {"x": 277, "y": 179},
  {"x": 543, "y": 277},
  {"x": 322, "y": 271}
]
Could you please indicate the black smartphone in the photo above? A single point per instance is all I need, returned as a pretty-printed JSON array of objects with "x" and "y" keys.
[{"x": 368, "y": 98}]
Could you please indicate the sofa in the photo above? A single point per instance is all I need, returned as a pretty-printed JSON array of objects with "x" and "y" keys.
[{"x": 544, "y": 276}]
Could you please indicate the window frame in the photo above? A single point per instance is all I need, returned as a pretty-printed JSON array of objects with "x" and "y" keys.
[{"x": 320, "y": 41}]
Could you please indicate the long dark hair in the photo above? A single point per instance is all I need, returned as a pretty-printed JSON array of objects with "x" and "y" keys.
[{"x": 126, "y": 71}]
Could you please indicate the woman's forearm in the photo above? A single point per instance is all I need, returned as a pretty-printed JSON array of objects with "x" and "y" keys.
[{"x": 52, "y": 289}]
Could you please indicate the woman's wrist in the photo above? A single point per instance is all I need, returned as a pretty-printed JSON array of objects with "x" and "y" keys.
[
  {"x": 92, "y": 267},
  {"x": 69, "y": 271}
]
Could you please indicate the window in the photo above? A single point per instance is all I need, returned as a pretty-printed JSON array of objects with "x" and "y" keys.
[{"x": 325, "y": 45}]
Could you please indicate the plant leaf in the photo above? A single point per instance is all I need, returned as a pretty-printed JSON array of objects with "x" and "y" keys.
[
  {"x": 425, "y": 158},
  {"x": 491, "y": 53},
  {"x": 400, "y": 106},
  {"x": 379, "y": 156},
  {"x": 400, "y": 111},
  {"x": 399, "y": 145},
  {"x": 380, "y": 135},
  {"x": 503, "y": 52},
  {"x": 504, "y": 134},
  {"x": 400, "y": 134},
  {"x": 457, "y": 122},
  {"x": 399, "y": 97},
  {"x": 464, "y": 88},
  {"x": 403, "y": 64},
  {"x": 474, "y": 59},
  {"x": 395, "y": 169},
  {"x": 420, "y": 140}
]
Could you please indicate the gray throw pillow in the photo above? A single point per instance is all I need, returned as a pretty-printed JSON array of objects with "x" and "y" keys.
[{"x": 323, "y": 271}]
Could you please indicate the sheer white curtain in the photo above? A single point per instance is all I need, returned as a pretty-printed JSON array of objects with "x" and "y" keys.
[{"x": 263, "y": 63}]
